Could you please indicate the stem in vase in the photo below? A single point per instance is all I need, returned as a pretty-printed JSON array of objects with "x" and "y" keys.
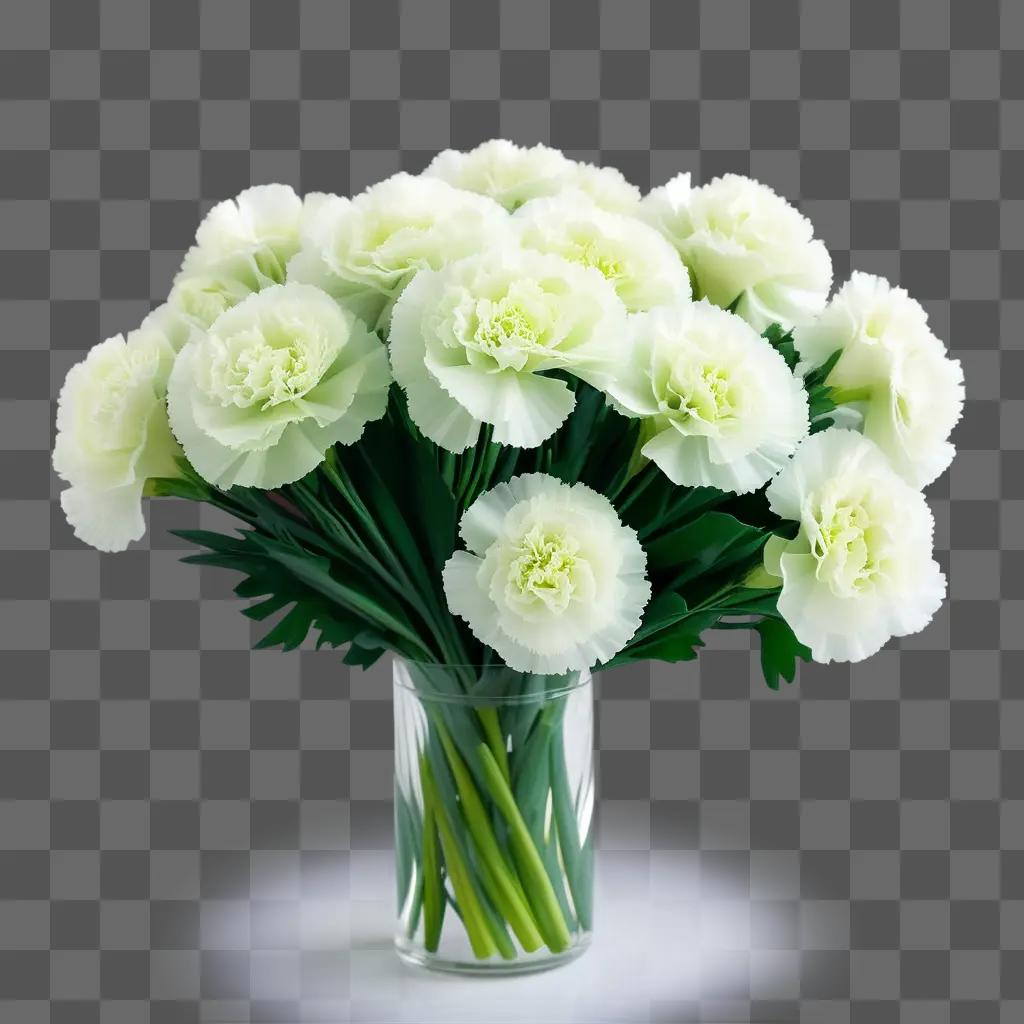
[
  {"x": 480, "y": 938},
  {"x": 432, "y": 886},
  {"x": 531, "y": 868},
  {"x": 498, "y": 878}
]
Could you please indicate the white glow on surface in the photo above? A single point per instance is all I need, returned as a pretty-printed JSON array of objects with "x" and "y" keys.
[{"x": 662, "y": 935}]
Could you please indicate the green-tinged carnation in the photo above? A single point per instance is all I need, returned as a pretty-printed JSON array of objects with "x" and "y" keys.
[
  {"x": 552, "y": 580},
  {"x": 112, "y": 432},
  {"x": 242, "y": 246},
  {"x": 474, "y": 343},
  {"x": 274, "y": 382}
]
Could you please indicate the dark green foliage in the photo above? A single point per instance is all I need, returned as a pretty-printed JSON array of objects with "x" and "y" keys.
[
  {"x": 352, "y": 554},
  {"x": 819, "y": 394},
  {"x": 779, "y": 651},
  {"x": 715, "y": 542},
  {"x": 782, "y": 341}
]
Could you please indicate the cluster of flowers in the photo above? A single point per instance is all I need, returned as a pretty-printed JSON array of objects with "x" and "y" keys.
[{"x": 486, "y": 287}]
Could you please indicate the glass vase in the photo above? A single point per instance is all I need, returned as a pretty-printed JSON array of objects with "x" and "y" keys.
[{"x": 494, "y": 799}]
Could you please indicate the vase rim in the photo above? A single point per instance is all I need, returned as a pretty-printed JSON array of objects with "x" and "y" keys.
[{"x": 575, "y": 680}]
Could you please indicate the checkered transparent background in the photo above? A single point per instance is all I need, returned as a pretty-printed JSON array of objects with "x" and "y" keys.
[{"x": 168, "y": 799}]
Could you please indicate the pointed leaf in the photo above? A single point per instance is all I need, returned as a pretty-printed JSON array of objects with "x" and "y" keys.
[
  {"x": 714, "y": 542},
  {"x": 779, "y": 651},
  {"x": 782, "y": 341}
]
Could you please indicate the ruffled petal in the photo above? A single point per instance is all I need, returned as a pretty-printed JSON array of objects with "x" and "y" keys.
[
  {"x": 640, "y": 263},
  {"x": 833, "y": 628},
  {"x": 745, "y": 244},
  {"x": 108, "y": 520},
  {"x": 548, "y": 623},
  {"x": 266, "y": 419},
  {"x": 861, "y": 568},
  {"x": 445, "y": 422},
  {"x": 525, "y": 409},
  {"x": 482, "y": 522}
]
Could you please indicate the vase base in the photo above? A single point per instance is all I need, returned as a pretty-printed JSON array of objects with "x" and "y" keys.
[{"x": 528, "y": 963}]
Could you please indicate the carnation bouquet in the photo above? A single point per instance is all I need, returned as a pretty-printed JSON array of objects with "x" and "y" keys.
[{"x": 512, "y": 421}]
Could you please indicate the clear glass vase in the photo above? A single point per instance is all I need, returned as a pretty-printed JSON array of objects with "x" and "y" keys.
[{"x": 494, "y": 799}]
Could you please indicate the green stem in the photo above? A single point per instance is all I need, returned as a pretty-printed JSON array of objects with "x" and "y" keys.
[
  {"x": 482, "y": 471},
  {"x": 433, "y": 900},
  {"x": 495, "y": 737},
  {"x": 417, "y": 907},
  {"x": 480, "y": 938},
  {"x": 532, "y": 871},
  {"x": 568, "y": 832},
  {"x": 441, "y": 623},
  {"x": 688, "y": 505},
  {"x": 447, "y": 468},
  {"x": 502, "y": 888},
  {"x": 844, "y": 396},
  {"x": 640, "y": 483},
  {"x": 348, "y": 541}
]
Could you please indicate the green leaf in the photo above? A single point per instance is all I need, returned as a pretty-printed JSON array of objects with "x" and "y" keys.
[
  {"x": 358, "y": 595},
  {"x": 281, "y": 576},
  {"x": 396, "y": 476},
  {"x": 290, "y": 630},
  {"x": 782, "y": 341},
  {"x": 819, "y": 374},
  {"x": 678, "y": 642},
  {"x": 670, "y": 631},
  {"x": 362, "y": 657},
  {"x": 779, "y": 651},
  {"x": 610, "y": 452},
  {"x": 664, "y": 609},
  {"x": 175, "y": 487},
  {"x": 664, "y": 506},
  {"x": 752, "y": 509},
  {"x": 264, "y": 609},
  {"x": 820, "y": 401},
  {"x": 748, "y": 601},
  {"x": 713, "y": 542},
  {"x": 572, "y": 442},
  {"x": 214, "y": 541}
]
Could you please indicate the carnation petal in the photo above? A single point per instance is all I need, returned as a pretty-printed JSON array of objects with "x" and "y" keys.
[
  {"x": 860, "y": 569},
  {"x": 643, "y": 267},
  {"x": 721, "y": 407},
  {"x": 112, "y": 433},
  {"x": 108, "y": 520},
  {"x": 593, "y": 569},
  {"x": 746, "y": 246},
  {"x": 363, "y": 251},
  {"x": 893, "y": 376},
  {"x": 524, "y": 409},
  {"x": 276, "y": 380},
  {"x": 472, "y": 343},
  {"x": 481, "y": 523}
]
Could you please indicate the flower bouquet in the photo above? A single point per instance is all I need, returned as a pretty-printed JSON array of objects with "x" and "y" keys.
[{"x": 513, "y": 422}]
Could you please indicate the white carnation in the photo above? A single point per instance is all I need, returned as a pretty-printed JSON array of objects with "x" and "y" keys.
[
  {"x": 644, "y": 268},
  {"x": 720, "y": 405},
  {"x": 860, "y": 569},
  {"x": 552, "y": 581},
  {"x": 892, "y": 370},
  {"x": 242, "y": 246},
  {"x": 469, "y": 345},
  {"x": 744, "y": 244},
  {"x": 513, "y": 175},
  {"x": 273, "y": 383},
  {"x": 508, "y": 173},
  {"x": 112, "y": 433},
  {"x": 364, "y": 250},
  {"x": 606, "y": 186}
]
